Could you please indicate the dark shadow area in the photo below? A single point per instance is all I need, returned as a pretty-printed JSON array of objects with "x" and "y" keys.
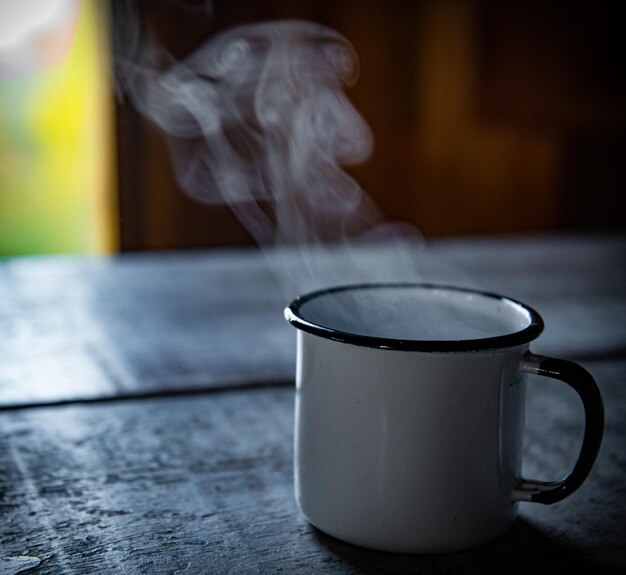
[{"x": 523, "y": 549}]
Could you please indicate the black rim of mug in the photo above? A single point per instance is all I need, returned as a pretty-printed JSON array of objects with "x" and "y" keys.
[{"x": 535, "y": 326}]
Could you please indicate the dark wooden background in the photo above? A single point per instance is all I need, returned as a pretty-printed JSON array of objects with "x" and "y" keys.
[{"x": 488, "y": 117}]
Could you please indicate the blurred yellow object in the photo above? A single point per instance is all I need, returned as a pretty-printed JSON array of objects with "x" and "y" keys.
[{"x": 56, "y": 137}]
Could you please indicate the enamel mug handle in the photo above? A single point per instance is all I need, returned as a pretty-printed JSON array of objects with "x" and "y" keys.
[{"x": 584, "y": 384}]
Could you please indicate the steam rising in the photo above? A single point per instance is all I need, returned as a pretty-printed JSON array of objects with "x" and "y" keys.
[{"x": 257, "y": 118}]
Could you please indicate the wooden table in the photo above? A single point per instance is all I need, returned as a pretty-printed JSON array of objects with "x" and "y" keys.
[{"x": 146, "y": 413}]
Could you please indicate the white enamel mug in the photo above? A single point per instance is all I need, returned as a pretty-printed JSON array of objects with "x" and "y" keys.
[{"x": 410, "y": 414}]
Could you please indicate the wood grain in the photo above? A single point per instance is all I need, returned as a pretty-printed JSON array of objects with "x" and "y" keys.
[
  {"x": 85, "y": 329},
  {"x": 204, "y": 485},
  {"x": 145, "y": 324}
]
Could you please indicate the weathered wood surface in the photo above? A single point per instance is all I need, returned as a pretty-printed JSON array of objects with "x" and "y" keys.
[
  {"x": 204, "y": 485},
  {"x": 90, "y": 328},
  {"x": 577, "y": 283},
  {"x": 143, "y": 324}
]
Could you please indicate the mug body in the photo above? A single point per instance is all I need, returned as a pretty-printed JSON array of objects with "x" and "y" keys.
[
  {"x": 407, "y": 451},
  {"x": 409, "y": 413}
]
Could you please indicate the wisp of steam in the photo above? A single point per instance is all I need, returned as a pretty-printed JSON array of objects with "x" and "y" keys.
[{"x": 257, "y": 118}]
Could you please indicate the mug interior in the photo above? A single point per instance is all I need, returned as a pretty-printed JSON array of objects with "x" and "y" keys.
[{"x": 415, "y": 316}]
